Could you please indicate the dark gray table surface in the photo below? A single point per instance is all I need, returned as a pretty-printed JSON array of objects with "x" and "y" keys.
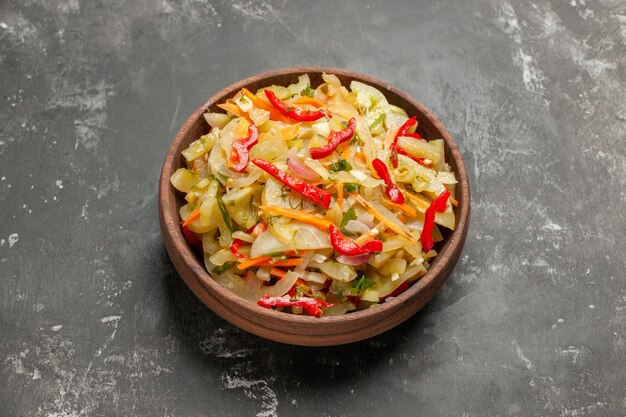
[{"x": 94, "y": 320}]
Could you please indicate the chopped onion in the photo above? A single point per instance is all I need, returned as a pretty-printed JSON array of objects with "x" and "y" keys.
[
  {"x": 358, "y": 174},
  {"x": 209, "y": 245},
  {"x": 338, "y": 271},
  {"x": 243, "y": 103},
  {"x": 251, "y": 288},
  {"x": 367, "y": 219},
  {"x": 309, "y": 237},
  {"x": 259, "y": 116},
  {"x": 317, "y": 166},
  {"x": 244, "y": 181},
  {"x": 243, "y": 236},
  {"x": 413, "y": 271},
  {"x": 393, "y": 266},
  {"x": 321, "y": 128},
  {"x": 314, "y": 277},
  {"x": 300, "y": 168},
  {"x": 394, "y": 243},
  {"x": 222, "y": 256},
  {"x": 303, "y": 82},
  {"x": 355, "y": 226},
  {"x": 318, "y": 257},
  {"x": 184, "y": 179},
  {"x": 266, "y": 243},
  {"x": 305, "y": 262},
  {"x": 218, "y": 120},
  {"x": 354, "y": 260},
  {"x": 263, "y": 273}
]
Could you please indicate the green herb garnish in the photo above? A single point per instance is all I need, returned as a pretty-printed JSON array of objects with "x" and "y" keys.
[
  {"x": 347, "y": 216},
  {"x": 356, "y": 139},
  {"x": 308, "y": 91},
  {"x": 378, "y": 121},
  {"x": 222, "y": 268},
  {"x": 361, "y": 285},
  {"x": 225, "y": 215},
  {"x": 351, "y": 187},
  {"x": 340, "y": 165}
]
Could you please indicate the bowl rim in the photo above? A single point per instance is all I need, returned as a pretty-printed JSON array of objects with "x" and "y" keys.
[{"x": 171, "y": 231}]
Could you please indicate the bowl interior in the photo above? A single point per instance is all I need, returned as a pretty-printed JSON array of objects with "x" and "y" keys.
[{"x": 300, "y": 329}]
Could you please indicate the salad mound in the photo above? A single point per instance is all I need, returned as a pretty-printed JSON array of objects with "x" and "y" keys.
[{"x": 315, "y": 201}]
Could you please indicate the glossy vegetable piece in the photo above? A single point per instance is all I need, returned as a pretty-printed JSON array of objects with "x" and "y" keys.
[
  {"x": 401, "y": 132},
  {"x": 392, "y": 190},
  {"x": 292, "y": 112},
  {"x": 334, "y": 140},
  {"x": 241, "y": 148},
  {"x": 310, "y": 305},
  {"x": 317, "y": 195},
  {"x": 347, "y": 247},
  {"x": 439, "y": 204},
  {"x": 419, "y": 148}
]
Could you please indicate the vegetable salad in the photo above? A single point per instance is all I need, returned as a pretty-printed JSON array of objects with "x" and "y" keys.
[{"x": 315, "y": 201}]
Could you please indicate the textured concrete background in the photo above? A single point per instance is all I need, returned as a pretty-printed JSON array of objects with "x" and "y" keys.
[{"x": 94, "y": 321}]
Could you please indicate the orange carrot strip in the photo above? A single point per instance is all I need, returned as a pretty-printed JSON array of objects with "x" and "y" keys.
[
  {"x": 231, "y": 108},
  {"x": 308, "y": 100},
  {"x": 193, "y": 216},
  {"x": 262, "y": 104},
  {"x": 421, "y": 202},
  {"x": 303, "y": 216},
  {"x": 345, "y": 153},
  {"x": 247, "y": 263},
  {"x": 278, "y": 272},
  {"x": 406, "y": 209},
  {"x": 381, "y": 217},
  {"x": 454, "y": 202},
  {"x": 339, "y": 186},
  {"x": 360, "y": 155}
]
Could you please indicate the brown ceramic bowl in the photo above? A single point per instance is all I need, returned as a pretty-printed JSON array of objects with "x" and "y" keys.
[{"x": 302, "y": 329}]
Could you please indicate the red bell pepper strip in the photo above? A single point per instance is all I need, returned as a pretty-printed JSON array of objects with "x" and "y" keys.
[
  {"x": 254, "y": 231},
  {"x": 420, "y": 161},
  {"x": 401, "y": 132},
  {"x": 347, "y": 247},
  {"x": 191, "y": 237},
  {"x": 392, "y": 190},
  {"x": 292, "y": 112},
  {"x": 234, "y": 248},
  {"x": 241, "y": 148},
  {"x": 310, "y": 305},
  {"x": 294, "y": 288},
  {"x": 278, "y": 273},
  {"x": 334, "y": 139},
  {"x": 316, "y": 195},
  {"x": 401, "y": 288},
  {"x": 414, "y": 135},
  {"x": 258, "y": 229},
  {"x": 437, "y": 206}
]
